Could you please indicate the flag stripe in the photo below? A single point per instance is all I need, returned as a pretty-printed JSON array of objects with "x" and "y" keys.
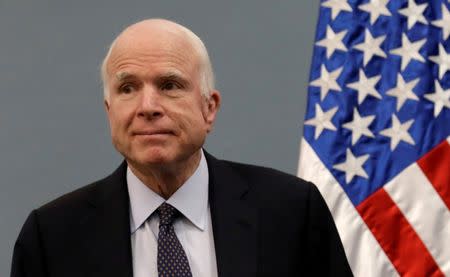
[
  {"x": 436, "y": 166},
  {"x": 364, "y": 254},
  {"x": 413, "y": 194},
  {"x": 396, "y": 236}
]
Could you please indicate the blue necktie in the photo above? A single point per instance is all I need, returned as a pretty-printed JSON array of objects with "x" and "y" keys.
[{"x": 172, "y": 260}]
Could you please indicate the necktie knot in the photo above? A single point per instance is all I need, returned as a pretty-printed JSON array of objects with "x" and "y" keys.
[{"x": 167, "y": 214}]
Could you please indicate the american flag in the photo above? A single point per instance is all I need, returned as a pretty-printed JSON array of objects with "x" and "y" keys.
[{"x": 377, "y": 132}]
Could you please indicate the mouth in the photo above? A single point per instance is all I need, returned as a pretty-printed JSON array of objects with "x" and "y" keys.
[{"x": 152, "y": 133}]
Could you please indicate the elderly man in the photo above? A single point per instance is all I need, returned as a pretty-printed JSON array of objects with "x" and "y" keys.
[{"x": 171, "y": 209}]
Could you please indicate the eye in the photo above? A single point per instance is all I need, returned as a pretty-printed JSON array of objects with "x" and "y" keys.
[
  {"x": 170, "y": 85},
  {"x": 126, "y": 88}
]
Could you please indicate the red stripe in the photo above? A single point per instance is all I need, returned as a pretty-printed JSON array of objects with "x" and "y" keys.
[
  {"x": 436, "y": 166},
  {"x": 398, "y": 239}
]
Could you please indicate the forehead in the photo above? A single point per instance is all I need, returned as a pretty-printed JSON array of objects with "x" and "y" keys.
[{"x": 161, "y": 47}]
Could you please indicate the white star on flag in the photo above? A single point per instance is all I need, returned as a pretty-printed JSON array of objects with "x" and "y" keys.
[
  {"x": 444, "y": 23},
  {"x": 352, "y": 166},
  {"x": 409, "y": 51},
  {"x": 375, "y": 8},
  {"x": 398, "y": 132},
  {"x": 403, "y": 91},
  {"x": 414, "y": 13},
  {"x": 332, "y": 41},
  {"x": 337, "y": 6},
  {"x": 322, "y": 120},
  {"x": 371, "y": 47},
  {"x": 327, "y": 81},
  {"x": 440, "y": 98},
  {"x": 443, "y": 60},
  {"x": 359, "y": 126},
  {"x": 365, "y": 86}
]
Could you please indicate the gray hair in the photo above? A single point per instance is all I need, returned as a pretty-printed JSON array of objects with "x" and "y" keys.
[{"x": 206, "y": 70}]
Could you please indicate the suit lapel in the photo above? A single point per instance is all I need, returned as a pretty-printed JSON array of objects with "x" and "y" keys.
[
  {"x": 106, "y": 230},
  {"x": 234, "y": 220}
]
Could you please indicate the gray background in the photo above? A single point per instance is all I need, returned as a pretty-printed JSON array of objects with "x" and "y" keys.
[{"x": 53, "y": 130}]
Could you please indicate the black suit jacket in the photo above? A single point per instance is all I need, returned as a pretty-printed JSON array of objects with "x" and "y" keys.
[{"x": 265, "y": 223}]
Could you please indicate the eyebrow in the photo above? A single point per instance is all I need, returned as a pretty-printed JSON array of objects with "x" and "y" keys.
[
  {"x": 173, "y": 74},
  {"x": 123, "y": 75},
  {"x": 176, "y": 76}
]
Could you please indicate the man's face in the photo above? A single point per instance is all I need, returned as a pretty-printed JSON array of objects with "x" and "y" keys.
[{"x": 156, "y": 112}]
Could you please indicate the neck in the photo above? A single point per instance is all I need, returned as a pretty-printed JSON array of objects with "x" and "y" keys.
[{"x": 165, "y": 179}]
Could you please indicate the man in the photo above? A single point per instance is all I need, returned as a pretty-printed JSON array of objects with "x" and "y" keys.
[{"x": 229, "y": 219}]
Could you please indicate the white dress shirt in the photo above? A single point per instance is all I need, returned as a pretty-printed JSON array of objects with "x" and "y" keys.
[{"x": 194, "y": 229}]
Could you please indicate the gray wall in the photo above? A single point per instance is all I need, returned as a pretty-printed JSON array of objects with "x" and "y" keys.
[{"x": 53, "y": 131}]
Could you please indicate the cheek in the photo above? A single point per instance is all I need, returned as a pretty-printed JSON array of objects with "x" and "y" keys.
[
  {"x": 119, "y": 120},
  {"x": 194, "y": 116},
  {"x": 189, "y": 120}
]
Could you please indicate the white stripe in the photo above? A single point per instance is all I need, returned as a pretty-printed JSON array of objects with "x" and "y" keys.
[
  {"x": 448, "y": 139},
  {"x": 365, "y": 256},
  {"x": 425, "y": 211}
]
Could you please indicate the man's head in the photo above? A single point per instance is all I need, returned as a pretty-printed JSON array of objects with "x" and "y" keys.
[
  {"x": 159, "y": 93},
  {"x": 206, "y": 70}
]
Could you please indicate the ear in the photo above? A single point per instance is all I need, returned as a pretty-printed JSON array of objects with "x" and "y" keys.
[
  {"x": 211, "y": 109},
  {"x": 106, "y": 103}
]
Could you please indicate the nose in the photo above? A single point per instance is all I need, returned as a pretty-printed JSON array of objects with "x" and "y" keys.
[{"x": 150, "y": 106}]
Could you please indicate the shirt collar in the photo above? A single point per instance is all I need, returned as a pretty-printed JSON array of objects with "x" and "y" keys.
[{"x": 191, "y": 199}]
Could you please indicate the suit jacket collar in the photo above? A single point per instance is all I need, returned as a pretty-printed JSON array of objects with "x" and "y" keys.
[
  {"x": 106, "y": 234},
  {"x": 234, "y": 220}
]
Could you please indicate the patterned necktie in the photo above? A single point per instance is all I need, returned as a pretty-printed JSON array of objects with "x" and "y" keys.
[{"x": 172, "y": 260}]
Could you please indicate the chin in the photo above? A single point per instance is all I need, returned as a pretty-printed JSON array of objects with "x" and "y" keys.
[
  {"x": 157, "y": 156},
  {"x": 154, "y": 156}
]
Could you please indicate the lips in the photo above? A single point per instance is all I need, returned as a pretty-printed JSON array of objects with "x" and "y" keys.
[{"x": 152, "y": 132}]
